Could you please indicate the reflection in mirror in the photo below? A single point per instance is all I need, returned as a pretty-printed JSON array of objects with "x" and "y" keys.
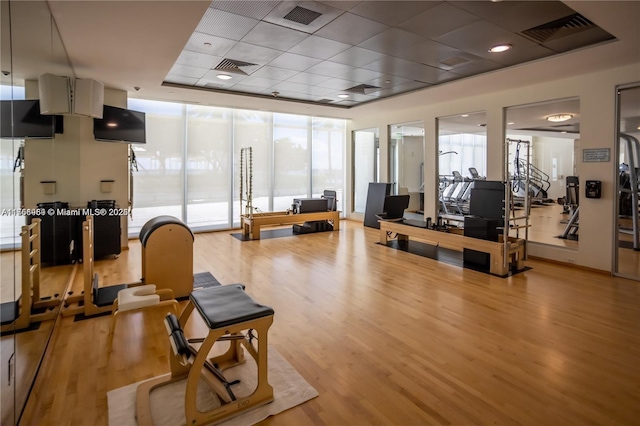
[
  {"x": 7, "y": 224},
  {"x": 552, "y": 130},
  {"x": 462, "y": 151},
  {"x": 628, "y": 168},
  {"x": 31, "y": 46},
  {"x": 406, "y": 163},
  {"x": 365, "y": 165}
]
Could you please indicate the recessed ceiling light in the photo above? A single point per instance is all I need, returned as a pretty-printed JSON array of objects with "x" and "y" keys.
[
  {"x": 206, "y": 43},
  {"x": 112, "y": 124},
  {"x": 464, "y": 115},
  {"x": 510, "y": 123},
  {"x": 387, "y": 81},
  {"x": 224, "y": 76},
  {"x": 638, "y": 127},
  {"x": 343, "y": 95},
  {"x": 500, "y": 48},
  {"x": 564, "y": 131},
  {"x": 556, "y": 118}
]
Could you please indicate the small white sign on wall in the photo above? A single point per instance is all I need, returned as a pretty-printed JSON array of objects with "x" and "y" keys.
[{"x": 596, "y": 155}]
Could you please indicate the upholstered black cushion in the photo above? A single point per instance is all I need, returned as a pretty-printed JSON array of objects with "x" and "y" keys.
[
  {"x": 157, "y": 222},
  {"x": 227, "y": 305}
]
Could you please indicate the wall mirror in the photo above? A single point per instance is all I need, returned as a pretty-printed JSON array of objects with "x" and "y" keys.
[
  {"x": 406, "y": 163},
  {"x": 31, "y": 46},
  {"x": 552, "y": 131},
  {"x": 365, "y": 165},
  {"x": 627, "y": 169},
  {"x": 462, "y": 159}
]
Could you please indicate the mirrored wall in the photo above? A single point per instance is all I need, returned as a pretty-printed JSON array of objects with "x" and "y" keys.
[
  {"x": 366, "y": 164},
  {"x": 31, "y": 46},
  {"x": 462, "y": 159},
  {"x": 406, "y": 163},
  {"x": 544, "y": 138},
  {"x": 627, "y": 237}
]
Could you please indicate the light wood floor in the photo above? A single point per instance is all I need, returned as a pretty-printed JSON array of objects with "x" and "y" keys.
[{"x": 386, "y": 337}]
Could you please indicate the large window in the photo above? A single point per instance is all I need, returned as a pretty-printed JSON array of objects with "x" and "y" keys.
[
  {"x": 327, "y": 157},
  {"x": 190, "y": 165},
  {"x": 158, "y": 187},
  {"x": 291, "y": 159},
  {"x": 208, "y": 158}
]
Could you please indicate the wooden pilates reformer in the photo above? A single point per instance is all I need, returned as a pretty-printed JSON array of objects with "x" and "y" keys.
[
  {"x": 19, "y": 315},
  {"x": 251, "y": 224},
  {"x": 498, "y": 264},
  {"x": 167, "y": 262},
  {"x": 232, "y": 316}
]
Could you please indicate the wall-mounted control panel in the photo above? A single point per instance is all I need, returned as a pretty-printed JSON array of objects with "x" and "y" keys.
[{"x": 593, "y": 189}]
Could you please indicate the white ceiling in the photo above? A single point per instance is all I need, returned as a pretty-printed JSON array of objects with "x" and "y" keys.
[{"x": 128, "y": 44}]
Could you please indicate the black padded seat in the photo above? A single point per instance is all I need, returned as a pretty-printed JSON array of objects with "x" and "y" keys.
[
  {"x": 227, "y": 305},
  {"x": 157, "y": 222}
]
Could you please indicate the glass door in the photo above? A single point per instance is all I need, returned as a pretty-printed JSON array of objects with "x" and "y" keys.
[{"x": 365, "y": 165}]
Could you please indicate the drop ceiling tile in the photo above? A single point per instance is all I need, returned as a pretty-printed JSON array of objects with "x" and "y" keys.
[
  {"x": 338, "y": 84},
  {"x": 308, "y": 78},
  {"x": 477, "y": 38},
  {"x": 360, "y": 75},
  {"x": 211, "y": 77},
  {"x": 274, "y": 36},
  {"x": 580, "y": 39},
  {"x": 357, "y": 57},
  {"x": 252, "y": 90},
  {"x": 519, "y": 56},
  {"x": 438, "y": 20},
  {"x": 256, "y": 9},
  {"x": 258, "y": 82},
  {"x": 391, "y": 12},
  {"x": 187, "y": 71},
  {"x": 197, "y": 59},
  {"x": 330, "y": 68},
  {"x": 406, "y": 69},
  {"x": 214, "y": 83},
  {"x": 517, "y": 15},
  {"x": 208, "y": 44},
  {"x": 325, "y": 11},
  {"x": 287, "y": 86},
  {"x": 294, "y": 62},
  {"x": 176, "y": 79},
  {"x": 351, "y": 29},
  {"x": 318, "y": 91},
  {"x": 318, "y": 47},
  {"x": 408, "y": 87},
  {"x": 274, "y": 73},
  {"x": 391, "y": 41},
  {"x": 224, "y": 24},
  {"x": 476, "y": 67},
  {"x": 342, "y": 5},
  {"x": 428, "y": 52},
  {"x": 387, "y": 81},
  {"x": 251, "y": 53}
]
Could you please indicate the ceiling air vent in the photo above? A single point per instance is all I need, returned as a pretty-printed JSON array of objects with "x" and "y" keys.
[
  {"x": 231, "y": 65},
  {"x": 302, "y": 16},
  {"x": 559, "y": 28},
  {"x": 363, "y": 89}
]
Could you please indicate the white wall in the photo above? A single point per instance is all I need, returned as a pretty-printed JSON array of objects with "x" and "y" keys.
[
  {"x": 597, "y": 109},
  {"x": 545, "y": 150}
]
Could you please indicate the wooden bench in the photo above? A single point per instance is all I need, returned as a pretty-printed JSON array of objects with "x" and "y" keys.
[
  {"x": 251, "y": 224},
  {"x": 456, "y": 241}
]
